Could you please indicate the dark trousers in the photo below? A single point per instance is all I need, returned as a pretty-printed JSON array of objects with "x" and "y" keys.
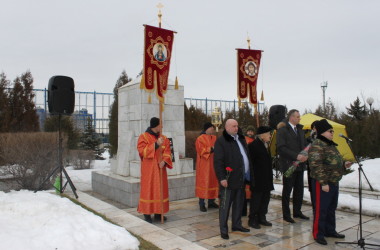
[
  {"x": 324, "y": 212},
  {"x": 258, "y": 205},
  {"x": 295, "y": 183},
  {"x": 310, "y": 188},
  {"x": 202, "y": 201},
  {"x": 228, "y": 198}
]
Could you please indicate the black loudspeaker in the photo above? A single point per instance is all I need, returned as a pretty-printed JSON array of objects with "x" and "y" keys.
[
  {"x": 277, "y": 113},
  {"x": 61, "y": 95}
]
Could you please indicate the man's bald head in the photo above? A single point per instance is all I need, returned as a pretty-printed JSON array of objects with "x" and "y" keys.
[{"x": 231, "y": 126}]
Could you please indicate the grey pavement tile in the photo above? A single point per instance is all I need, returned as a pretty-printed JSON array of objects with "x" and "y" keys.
[
  {"x": 194, "y": 228},
  {"x": 253, "y": 240},
  {"x": 199, "y": 235},
  {"x": 266, "y": 243}
]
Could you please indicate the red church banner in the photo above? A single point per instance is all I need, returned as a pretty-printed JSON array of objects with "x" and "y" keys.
[
  {"x": 248, "y": 64},
  {"x": 157, "y": 55}
]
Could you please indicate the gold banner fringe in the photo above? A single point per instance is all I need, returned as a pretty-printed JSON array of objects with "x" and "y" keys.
[
  {"x": 155, "y": 79},
  {"x": 262, "y": 95},
  {"x": 149, "y": 99},
  {"x": 142, "y": 82},
  {"x": 239, "y": 102},
  {"x": 176, "y": 83}
]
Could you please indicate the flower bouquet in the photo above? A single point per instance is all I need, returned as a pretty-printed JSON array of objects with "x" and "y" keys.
[{"x": 295, "y": 164}]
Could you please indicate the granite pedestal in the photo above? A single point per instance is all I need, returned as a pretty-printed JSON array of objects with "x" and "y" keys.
[{"x": 122, "y": 182}]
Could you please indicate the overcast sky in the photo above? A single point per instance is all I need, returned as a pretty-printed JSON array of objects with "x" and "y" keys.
[{"x": 304, "y": 44}]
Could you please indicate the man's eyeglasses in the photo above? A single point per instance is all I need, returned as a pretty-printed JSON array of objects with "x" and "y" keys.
[{"x": 331, "y": 131}]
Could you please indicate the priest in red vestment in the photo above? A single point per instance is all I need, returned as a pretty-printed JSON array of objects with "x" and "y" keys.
[
  {"x": 154, "y": 151},
  {"x": 206, "y": 185}
]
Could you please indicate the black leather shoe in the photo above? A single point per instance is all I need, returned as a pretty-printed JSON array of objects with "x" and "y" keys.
[
  {"x": 147, "y": 218},
  {"x": 202, "y": 208},
  {"x": 241, "y": 229},
  {"x": 224, "y": 236},
  {"x": 213, "y": 205},
  {"x": 265, "y": 223},
  {"x": 336, "y": 235},
  {"x": 321, "y": 241},
  {"x": 158, "y": 217},
  {"x": 301, "y": 216},
  {"x": 288, "y": 219},
  {"x": 254, "y": 225}
]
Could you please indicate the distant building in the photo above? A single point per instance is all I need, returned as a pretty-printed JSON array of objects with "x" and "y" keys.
[
  {"x": 80, "y": 119},
  {"x": 41, "y": 117}
]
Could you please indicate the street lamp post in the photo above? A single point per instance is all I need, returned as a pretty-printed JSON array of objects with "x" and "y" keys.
[
  {"x": 324, "y": 87},
  {"x": 370, "y": 101}
]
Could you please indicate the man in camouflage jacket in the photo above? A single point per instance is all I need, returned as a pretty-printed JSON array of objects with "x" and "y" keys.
[{"x": 326, "y": 170}]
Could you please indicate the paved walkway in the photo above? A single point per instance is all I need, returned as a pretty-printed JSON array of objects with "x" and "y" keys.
[{"x": 188, "y": 228}]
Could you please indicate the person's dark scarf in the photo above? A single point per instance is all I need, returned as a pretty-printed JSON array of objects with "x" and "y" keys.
[
  {"x": 150, "y": 131},
  {"x": 329, "y": 142}
]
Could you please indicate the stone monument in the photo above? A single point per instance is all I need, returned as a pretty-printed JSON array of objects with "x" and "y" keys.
[{"x": 122, "y": 182}]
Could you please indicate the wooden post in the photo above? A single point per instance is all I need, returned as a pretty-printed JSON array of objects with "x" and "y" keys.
[
  {"x": 257, "y": 115},
  {"x": 161, "y": 171},
  {"x": 159, "y": 6}
]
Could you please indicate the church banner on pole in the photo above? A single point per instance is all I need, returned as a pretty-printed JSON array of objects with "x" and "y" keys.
[
  {"x": 158, "y": 44},
  {"x": 248, "y": 64}
]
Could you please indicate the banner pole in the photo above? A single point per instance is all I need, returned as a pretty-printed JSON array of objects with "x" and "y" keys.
[
  {"x": 159, "y": 6},
  {"x": 257, "y": 115},
  {"x": 161, "y": 171}
]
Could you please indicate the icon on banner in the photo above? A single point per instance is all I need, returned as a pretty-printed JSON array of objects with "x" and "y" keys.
[
  {"x": 250, "y": 68},
  {"x": 160, "y": 53}
]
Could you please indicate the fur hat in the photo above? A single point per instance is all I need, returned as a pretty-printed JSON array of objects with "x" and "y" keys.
[
  {"x": 154, "y": 122},
  {"x": 322, "y": 126},
  {"x": 313, "y": 124},
  {"x": 263, "y": 130},
  {"x": 250, "y": 127},
  {"x": 207, "y": 125},
  {"x": 281, "y": 125}
]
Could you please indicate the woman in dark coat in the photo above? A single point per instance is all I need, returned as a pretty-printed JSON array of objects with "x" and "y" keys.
[{"x": 263, "y": 178}]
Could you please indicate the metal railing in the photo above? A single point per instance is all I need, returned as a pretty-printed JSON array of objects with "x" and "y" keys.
[
  {"x": 208, "y": 105},
  {"x": 96, "y": 105}
]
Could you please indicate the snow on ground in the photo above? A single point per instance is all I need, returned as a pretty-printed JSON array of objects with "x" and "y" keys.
[
  {"x": 44, "y": 220},
  {"x": 346, "y": 202},
  {"x": 82, "y": 177},
  {"x": 371, "y": 169}
]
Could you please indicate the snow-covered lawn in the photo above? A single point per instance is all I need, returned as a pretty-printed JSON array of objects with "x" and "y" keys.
[
  {"x": 371, "y": 169},
  {"x": 43, "y": 220},
  {"x": 82, "y": 177},
  {"x": 369, "y": 206}
]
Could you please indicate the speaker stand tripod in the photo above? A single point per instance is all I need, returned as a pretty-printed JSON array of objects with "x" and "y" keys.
[
  {"x": 361, "y": 242},
  {"x": 60, "y": 167}
]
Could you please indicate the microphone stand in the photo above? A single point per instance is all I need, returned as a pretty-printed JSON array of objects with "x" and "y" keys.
[{"x": 361, "y": 242}]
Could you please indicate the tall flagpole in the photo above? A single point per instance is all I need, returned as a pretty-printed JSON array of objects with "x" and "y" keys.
[
  {"x": 159, "y": 6},
  {"x": 255, "y": 104}
]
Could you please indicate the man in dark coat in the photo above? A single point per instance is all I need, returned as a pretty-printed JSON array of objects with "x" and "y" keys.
[
  {"x": 232, "y": 167},
  {"x": 263, "y": 178},
  {"x": 290, "y": 142}
]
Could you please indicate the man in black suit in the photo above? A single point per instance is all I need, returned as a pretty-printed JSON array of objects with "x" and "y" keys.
[
  {"x": 232, "y": 167},
  {"x": 290, "y": 142}
]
